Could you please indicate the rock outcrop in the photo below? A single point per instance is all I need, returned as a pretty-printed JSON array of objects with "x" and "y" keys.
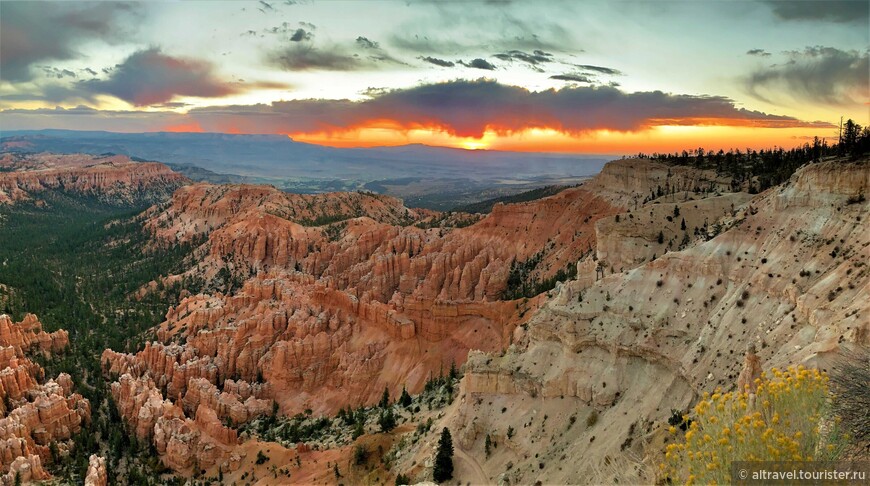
[
  {"x": 113, "y": 179},
  {"x": 787, "y": 276},
  {"x": 97, "y": 474},
  {"x": 34, "y": 414}
]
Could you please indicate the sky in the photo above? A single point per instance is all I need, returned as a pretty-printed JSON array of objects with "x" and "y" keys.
[{"x": 614, "y": 77}]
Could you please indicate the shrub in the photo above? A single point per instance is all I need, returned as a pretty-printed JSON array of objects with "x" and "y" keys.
[
  {"x": 592, "y": 419},
  {"x": 786, "y": 420},
  {"x": 850, "y": 381},
  {"x": 261, "y": 458},
  {"x": 360, "y": 455}
]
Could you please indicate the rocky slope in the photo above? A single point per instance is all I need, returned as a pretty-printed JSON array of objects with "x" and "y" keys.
[
  {"x": 346, "y": 294},
  {"x": 36, "y": 413},
  {"x": 599, "y": 368},
  {"x": 112, "y": 179}
]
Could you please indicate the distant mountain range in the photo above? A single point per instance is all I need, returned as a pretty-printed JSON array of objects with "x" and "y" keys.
[{"x": 279, "y": 157}]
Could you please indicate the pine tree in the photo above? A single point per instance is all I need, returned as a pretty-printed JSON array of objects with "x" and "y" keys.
[
  {"x": 661, "y": 238},
  {"x": 443, "y": 470},
  {"x": 405, "y": 399},
  {"x": 387, "y": 420},
  {"x": 358, "y": 430},
  {"x": 385, "y": 398}
]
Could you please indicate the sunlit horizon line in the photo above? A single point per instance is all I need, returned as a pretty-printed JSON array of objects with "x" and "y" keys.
[{"x": 491, "y": 142}]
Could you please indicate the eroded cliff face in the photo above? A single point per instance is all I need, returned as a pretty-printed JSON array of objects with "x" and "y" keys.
[
  {"x": 114, "y": 179},
  {"x": 35, "y": 412},
  {"x": 787, "y": 278},
  {"x": 346, "y": 294}
]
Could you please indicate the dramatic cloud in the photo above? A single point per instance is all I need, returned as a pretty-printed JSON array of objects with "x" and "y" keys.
[
  {"x": 577, "y": 78},
  {"x": 818, "y": 74},
  {"x": 470, "y": 108},
  {"x": 478, "y": 64},
  {"x": 300, "y": 35},
  {"x": 149, "y": 77},
  {"x": 86, "y": 118},
  {"x": 53, "y": 72},
  {"x": 366, "y": 43},
  {"x": 304, "y": 56},
  {"x": 33, "y": 32},
  {"x": 437, "y": 62},
  {"x": 758, "y": 52},
  {"x": 535, "y": 58},
  {"x": 307, "y": 57},
  {"x": 301, "y": 31},
  {"x": 598, "y": 69},
  {"x": 842, "y": 11},
  {"x": 456, "y": 29}
]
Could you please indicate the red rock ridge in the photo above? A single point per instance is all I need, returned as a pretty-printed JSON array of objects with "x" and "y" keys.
[{"x": 111, "y": 178}]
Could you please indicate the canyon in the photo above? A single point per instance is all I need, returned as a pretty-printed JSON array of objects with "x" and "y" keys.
[
  {"x": 586, "y": 317},
  {"x": 345, "y": 295}
]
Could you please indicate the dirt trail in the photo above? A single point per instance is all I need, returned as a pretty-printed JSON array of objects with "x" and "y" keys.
[{"x": 472, "y": 466}]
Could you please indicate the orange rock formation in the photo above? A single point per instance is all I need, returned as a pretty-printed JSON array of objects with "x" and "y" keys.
[
  {"x": 34, "y": 415},
  {"x": 111, "y": 178}
]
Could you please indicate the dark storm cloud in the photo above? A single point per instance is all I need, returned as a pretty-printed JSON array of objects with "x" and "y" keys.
[
  {"x": 32, "y": 32},
  {"x": 576, "y": 78},
  {"x": 436, "y": 61},
  {"x": 817, "y": 74},
  {"x": 300, "y": 35},
  {"x": 598, "y": 69},
  {"x": 470, "y": 108},
  {"x": 478, "y": 64},
  {"x": 841, "y": 11},
  {"x": 758, "y": 52},
  {"x": 149, "y": 77},
  {"x": 366, "y": 43},
  {"x": 90, "y": 71}
]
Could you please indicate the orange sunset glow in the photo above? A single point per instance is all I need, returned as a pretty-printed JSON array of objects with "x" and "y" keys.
[
  {"x": 511, "y": 76},
  {"x": 664, "y": 138}
]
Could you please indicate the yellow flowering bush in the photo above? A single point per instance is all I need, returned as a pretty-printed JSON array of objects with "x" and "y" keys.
[{"x": 785, "y": 420}]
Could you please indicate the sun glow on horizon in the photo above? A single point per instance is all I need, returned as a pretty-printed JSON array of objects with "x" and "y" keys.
[{"x": 665, "y": 138}]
